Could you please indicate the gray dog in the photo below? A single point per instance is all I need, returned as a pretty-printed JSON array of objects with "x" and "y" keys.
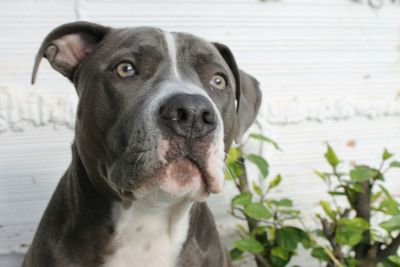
[{"x": 157, "y": 112}]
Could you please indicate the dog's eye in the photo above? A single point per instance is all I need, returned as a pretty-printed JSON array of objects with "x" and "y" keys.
[
  {"x": 125, "y": 69},
  {"x": 218, "y": 82}
]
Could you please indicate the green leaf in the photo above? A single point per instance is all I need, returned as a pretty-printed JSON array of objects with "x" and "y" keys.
[
  {"x": 277, "y": 262},
  {"x": 233, "y": 170},
  {"x": 241, "y": 228},
  {"x": 385, "y": 191},
  {"x": 320, "y": 254},
  {"x": 290, "y": 212},
  {"x": 289, "y": 237},
  {"x": 327, "y": 208},
  {"x": 395, "y": 259},
  {"x": 331, "y": 157},
  {"x": 228, "y": 175},
  {"x": 234, "y": 154},
  {"x": 357, "y": 187},
  {"x": 259, "y": 230},
  {"x": 350, "y": 231},
  {"x": 280, "y": 253},
  {"x": 260, "y": 162},
  {"x": 257, "y": 189},
  {"x": 393, "y": 224},
  {"x": 249, "y": 245},
  {"x": 376, "y": 196},
  {"x": 362, "y": 174},
  {"x": 306, "y": 241},
  {"x": 386, "y": 154},
  {"x": 388, "y": 263},
  {"x": 275, "y": 182},
  {"x": 350, "y": 262},
  {"x": 336, "y": 193},
  {"x": 395, "y": 164},
  {"x": 284, "y": 202},
  {"x": 263, "y": 138},
  {"x": 271, "y": 233},
  {"x": 243, "y": 199},
  {"x": 351, "y": 195},
  {"x": 389, "y": 206},
  {"x": 324, "y": 176},
  {"x": 257, "y": 211},
  {"x": 236, "y": 254}
]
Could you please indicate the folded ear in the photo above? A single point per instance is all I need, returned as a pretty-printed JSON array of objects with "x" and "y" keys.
[
  {"x": 66, "y": 46},
  {"x": 248, "y": 93}
]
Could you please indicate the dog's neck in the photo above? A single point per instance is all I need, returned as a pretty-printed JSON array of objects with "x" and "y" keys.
[
  {"x": 152, "y": 229},
  {"x": 149, "y": 232},
  {"x": 82, "y": 193}
]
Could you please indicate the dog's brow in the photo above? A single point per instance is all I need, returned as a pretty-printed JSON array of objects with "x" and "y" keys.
[{"x": 170, "y": 41}]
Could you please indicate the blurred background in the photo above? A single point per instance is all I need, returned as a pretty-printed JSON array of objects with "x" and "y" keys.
[{"x": 329, "y": 71}]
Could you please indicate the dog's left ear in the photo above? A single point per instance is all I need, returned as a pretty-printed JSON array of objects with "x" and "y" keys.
[
  {"x": 66, "y": 46},
  {"x": 248, "y": 93}
]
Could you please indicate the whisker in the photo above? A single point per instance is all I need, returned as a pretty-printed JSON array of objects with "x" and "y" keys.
[
  {"x": 234, "y": 160},
  {"x": 137, "y": 160},
  {"x": 231, "y": 173}
]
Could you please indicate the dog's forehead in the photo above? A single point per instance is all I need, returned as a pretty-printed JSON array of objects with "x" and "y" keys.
[
  {"x": 184, "y": 44},
  {"x": 132, "y": 39},
  {"x": 192, "y": 43}
]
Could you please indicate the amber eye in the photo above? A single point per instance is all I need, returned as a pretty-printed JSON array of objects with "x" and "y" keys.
[
  {"x": 218, "y": 82},
  {"x": 125, "y": 69}
]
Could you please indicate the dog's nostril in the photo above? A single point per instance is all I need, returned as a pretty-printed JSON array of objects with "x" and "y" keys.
[
  {"x": 174, "y": 114},
  {"x": 208, "y": 117},
  {"x": 181, "y": 114}
]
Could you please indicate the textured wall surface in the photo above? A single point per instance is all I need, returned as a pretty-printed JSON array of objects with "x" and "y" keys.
[{"x": 329, "y": 70}]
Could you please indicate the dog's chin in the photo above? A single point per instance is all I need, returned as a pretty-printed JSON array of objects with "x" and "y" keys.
[
  {"x": 184, "y": 179},
  {"x": 179, "y": 179}
]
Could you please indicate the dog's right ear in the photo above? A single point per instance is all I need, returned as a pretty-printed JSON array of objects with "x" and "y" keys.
[{"x": 66, "y": 46}]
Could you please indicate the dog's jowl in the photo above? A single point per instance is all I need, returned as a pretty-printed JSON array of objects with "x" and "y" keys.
[{"x": 157, "y": 113}]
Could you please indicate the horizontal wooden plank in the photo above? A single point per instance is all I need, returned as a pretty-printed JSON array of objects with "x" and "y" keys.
[{"x": 309, "y": 56}]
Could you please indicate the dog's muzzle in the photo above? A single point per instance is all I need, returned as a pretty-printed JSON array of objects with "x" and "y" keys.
[{"x": 190, "y": 145}]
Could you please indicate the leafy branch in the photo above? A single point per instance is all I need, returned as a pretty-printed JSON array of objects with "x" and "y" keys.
[
  {"x": 349, "y": 231},
  {"x": 267, "y": 233}
]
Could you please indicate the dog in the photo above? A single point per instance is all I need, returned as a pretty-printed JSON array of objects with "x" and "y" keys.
[{"x": 157, "y": 113}]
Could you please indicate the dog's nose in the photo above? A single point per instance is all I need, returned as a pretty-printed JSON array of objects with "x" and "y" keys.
[{"x": 191, "y": 116}]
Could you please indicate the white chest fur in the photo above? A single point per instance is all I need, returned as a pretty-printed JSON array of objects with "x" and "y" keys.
[{"x": 147, "y": 235}]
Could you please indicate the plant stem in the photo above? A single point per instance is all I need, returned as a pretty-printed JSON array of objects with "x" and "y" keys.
[
  {"x": 332, "y": 257},
  {"x": 363, "y": 210},
  {"x": 390, "y": 249},
  {"x": 251, "y": 223}
]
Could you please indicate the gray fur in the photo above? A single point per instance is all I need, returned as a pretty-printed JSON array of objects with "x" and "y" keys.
[{"x": 117, "y": 130}]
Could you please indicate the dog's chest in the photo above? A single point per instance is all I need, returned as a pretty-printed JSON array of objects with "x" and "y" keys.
[{"x": 147, "y": 237}]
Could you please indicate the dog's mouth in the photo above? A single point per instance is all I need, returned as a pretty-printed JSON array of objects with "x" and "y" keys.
[
  {"x": 182, "y": 170},
  {"x": 176, "y": 171},
  {"x": 184, "y": 177},
  {"x": 180, "y": 178}
]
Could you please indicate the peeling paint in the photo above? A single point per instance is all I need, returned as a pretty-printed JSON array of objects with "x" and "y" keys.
[
  {"x": 23, "y": 108},
  {"x": 293, "y": 110},
  {"x": 20, "y": 108}
]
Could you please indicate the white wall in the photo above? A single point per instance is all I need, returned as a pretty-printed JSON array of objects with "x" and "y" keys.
[{"x": 329, "y": 70}]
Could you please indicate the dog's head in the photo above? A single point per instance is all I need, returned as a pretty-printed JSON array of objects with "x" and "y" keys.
[{"x": 157, "y": 110}]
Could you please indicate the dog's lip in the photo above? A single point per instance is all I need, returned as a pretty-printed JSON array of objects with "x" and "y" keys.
[
  {"x": 205, "y": 177},
  {"x": 203, "y": 173},
  {"x": 129, "y": 194}
]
